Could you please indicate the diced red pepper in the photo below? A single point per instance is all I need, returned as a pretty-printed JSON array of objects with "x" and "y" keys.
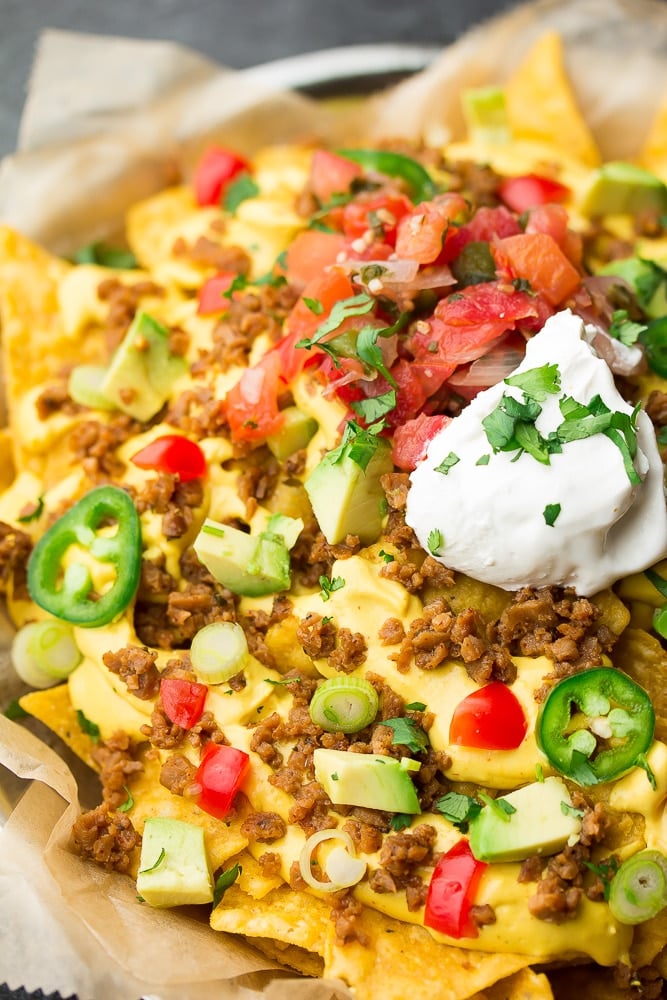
[
  {"x": 523, "y": 193},
  {"x": 216, "y": 168},
  {"x": 490, "y": 718},
  {"x": 174, "y": 454},
  {"x": 452, "y": 891},
  {"x": 183, "y": 701},
  {"x": 219, "y": 777},
  {"x": 211, "y": 298}
]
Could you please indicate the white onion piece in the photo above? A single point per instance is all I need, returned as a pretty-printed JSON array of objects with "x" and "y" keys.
[
  {"x": 396, "y": 270},
  {"x": 346, "y": 871},
  {"x": 428, "y": 277}
]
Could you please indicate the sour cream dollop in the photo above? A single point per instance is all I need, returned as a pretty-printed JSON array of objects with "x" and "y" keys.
[{"x": 577, "y": 521}]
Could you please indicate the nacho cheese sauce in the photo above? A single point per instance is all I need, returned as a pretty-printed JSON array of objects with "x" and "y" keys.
[{"x": 492, "y": 509}]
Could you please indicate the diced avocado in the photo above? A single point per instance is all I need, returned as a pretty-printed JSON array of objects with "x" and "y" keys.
[
  {"x": 542, "y": 822},
  {"x": 347, "y": 498},
  {"x": 485, "y": 114},
  {"x": 251, "y": 565},
  {"x": 647, "y": 279},
  {"x": 619, "y": 188},
  {"x": 366, "y": 779},
  {"x": 143, "y": 370},
  {"x": 295, "y": 433},
  {"x": 174, "y": 868},
  {"x": 289, "y": 528}
]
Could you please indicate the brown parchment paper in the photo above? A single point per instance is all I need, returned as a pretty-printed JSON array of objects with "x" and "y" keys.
[{"x": 108, "y": 121}]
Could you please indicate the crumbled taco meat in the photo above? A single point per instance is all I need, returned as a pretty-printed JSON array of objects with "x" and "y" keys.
[
  {"x": 346, "y": 913},
  {"x": 257, "y": 482},
  {"x": 313, "y": 557},
  {"x": 123, "y": 301},
  {"x": 271, "y": 864},
  {"x": 55, "y": 398},
  {"x": 212, "y": 254},
  {"x": 199, "y": 412},
  {"x": 15, "y": 548},
  {"x": 162, "y": 732},
  {"x": 177, "y": 773},
  {"x": 116, "y": 760},
  {"x": 106, "y": 837},
  {"x": 94, "y": 445},
  {"x": 263, "y": 827},
  {"x": 135, "y": 665},
  {"x": 174, "y": 499},
  {"x": 311, "y": 809}
]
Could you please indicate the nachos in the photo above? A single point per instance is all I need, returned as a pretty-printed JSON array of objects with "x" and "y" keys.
[{"x": 336, "y": 543}]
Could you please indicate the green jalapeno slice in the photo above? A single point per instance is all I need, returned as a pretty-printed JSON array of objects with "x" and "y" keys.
[
  {"x": 595, "y": 725},
  {"x": 420, "y": 183},
  {"x": 67, "y": 591}
]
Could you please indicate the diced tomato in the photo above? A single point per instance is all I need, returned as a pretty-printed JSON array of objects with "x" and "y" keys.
[
  {"x": 183, "y": 701},
  {"x": 379, "y": 212},
  {"x": 211, "y": 298},
  {"x": 463, "y": 327},
  {"x": 411, "y": 439},
  {"x": 252, "y": 404},
  {"x": 523, "y": 193},
  {"x": 424, "y": 232},
  {"x": 310, "y": 253},
  {"x": 175, "y": 454},
  {"x": 553, "y": 219},
  {"x": 216, "y": 168},
  {"x": 538, "y": 258},
  {"x": 331, "y": 174},
  {"x": 220, "y": 776},
  {"x": 452, "y": 891},
  {"x": 373, "y": 251},
  {"x": 329, "y": 288},
  {"x": 490, "y": 718},
  {"x": 489, "y": 223}
]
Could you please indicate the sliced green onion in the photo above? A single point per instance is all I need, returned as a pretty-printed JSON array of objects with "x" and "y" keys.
[
  {"x": 84, "y": 387},
  {"x": 344, "y": 704},
  {"x": 219, "y": 651},
  {"x": 639, "y": 888},
  {"x": 44, "y": 653}
]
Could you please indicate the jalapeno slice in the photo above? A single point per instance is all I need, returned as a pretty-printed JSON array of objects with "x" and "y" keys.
[
  {"x": 595, "y": 725},
  {"x": 419, "y": 181},
  {"x": 67, "y": 591}
]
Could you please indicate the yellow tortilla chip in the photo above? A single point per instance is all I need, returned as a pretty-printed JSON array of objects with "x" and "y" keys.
[
  {"x": 643, "y": 658},
  {"x": 294, "y": 918},
  {"x": 541, "y": 104},
  {"x": 654, "y": 154},
  {"x": 54, "y": 708},
  {"x": 523, "y": 985},
  {"x": 303, "y": 961},
  {"x": 403, "y": 960}
]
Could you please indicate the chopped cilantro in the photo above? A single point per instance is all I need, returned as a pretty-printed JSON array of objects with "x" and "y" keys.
[
  {"x": 224, "y": 881},
  {"x": 128, "y": 803},
  {"x": 624, "y": 329},
  {"x": 435, "y": 542},
  {"x": 286, "y": 680},
  {"x": 314, "y": 305},
  {"x": 658, "y": 582},
  {"x": 34, "y": 514},
  {"x": 458, "y": 809},
  {"x": 407, "y": 734},
  {"x": 500, "y": 806},
  {"x": 415, "y": 706},
  {"x": 89, "y": 728},
  {"x": 106, "y": 256},
  {"x": 359, "y": 444},
  {"x": 327, "y": 586},
  {"x": 483, "y": 460},
  {"x": 239, "y": 190},
  {"x": 539, "y": 773},
  {"x": 642, "y": 761},
  {"x": 370, "y": 271},
  {"x": 550, "y": 513},
  {"x": 160, "y": 858},
  {"x": 14, "y": 711},
  {"x": 605, "y": 871},
  {"x": 375, "y": 407},
  {"x": 522, "y": 285},
  {"x": 648, "y": 281},
  {"x": 568, "y": 810},
  {"x": 386, "y": 556},
  {"x": 357, "y": 305},
  {"x": 537, "y": 383},
  {"x": 400, "y": 821},
  {"x": 334, "y": 776},
  {"x": 448, "y": 462}
]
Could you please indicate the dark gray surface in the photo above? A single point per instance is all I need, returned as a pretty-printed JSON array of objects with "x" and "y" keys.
[{"x": 237, "y": 33}]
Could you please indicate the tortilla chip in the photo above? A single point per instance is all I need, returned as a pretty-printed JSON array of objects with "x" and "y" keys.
[
  {"x": 403, "y": 960},
  {"x": 654, "y": 154},
  {"x": 523, "y": 985},
  {"x": 293, "y": 918},
  {"x": 252, "y": 881},
  {"x": 53, "y": 707},
  {"x": 649, "y": 940},
  {"x": 541, "y": 104},
  {"x": 305, "y": 962},
  {"x": 644, "y": 659}
]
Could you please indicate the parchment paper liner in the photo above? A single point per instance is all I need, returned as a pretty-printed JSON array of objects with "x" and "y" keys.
[{"x": 108, "y": 121}]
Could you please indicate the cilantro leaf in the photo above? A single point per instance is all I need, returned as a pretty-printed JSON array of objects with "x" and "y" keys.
[
  {"x": 537, "y": 383},
  {"x": 359, "y": 444},
  {"x": 435, "y": 542},
  {"x": 106, "y": 256},
  {"x": 500, "y": 806},
  {"x": 156, "y": 864},
  {"x": 400, "y": 821},
  {"x": 238, "y": 191},
  {"x": 624, "y": 329},
  {"x": 407, "y": 734},
  {"x": 605, "y": 871},
  {"x": 34, "y": 514},
  {"x": 375, "y": 407},
  {"x": 128, "y": 803},
  {"x": 224, "y": 881},
  {"x": 550, "y": 513},
  {"x": 448, "y": 462},
  {"x": 416, "y": 706},
  {"x": 642, "y": 761},
  {"x": 314, "y": 305},
  {"x": 648, "y": 281},
  {"x": 357, "y": 305},
  {"x": 458, "y": 809},
  {"x": 328, "y": 586},
  {"x": 88, "y": 727}
]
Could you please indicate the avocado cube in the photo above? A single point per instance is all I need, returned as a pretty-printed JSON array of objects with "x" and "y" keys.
[
  {"x": 174, "y": 868},
  {"x": 542, "y": 822},
  {"x": 251, "y": 565},
  {"x": 485, "y": 113},
  {"x": 143, "y": 370},
  {"x": 295, "y": 433},
  {"x": 619, "y": 188},
  {"x": 348, "y": 499},
  {"x": 366, "y": 779},
  {"x": 646, "y": 279}
]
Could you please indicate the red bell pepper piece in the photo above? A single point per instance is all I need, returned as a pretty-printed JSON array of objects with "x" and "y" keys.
[
  {"x": 183, "y": 701},
  {"x": 529, "y": 190},
  {"x": 174, "y": 454},
  {"x": 451, "y": 892},
  {"x": 216, "y": 168},
  {"x": 490, "y": 718},
  {"x": 219, "y": 777}
]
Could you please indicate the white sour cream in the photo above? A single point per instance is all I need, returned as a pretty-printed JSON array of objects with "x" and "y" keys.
[{"x": 489, "y": 519}]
